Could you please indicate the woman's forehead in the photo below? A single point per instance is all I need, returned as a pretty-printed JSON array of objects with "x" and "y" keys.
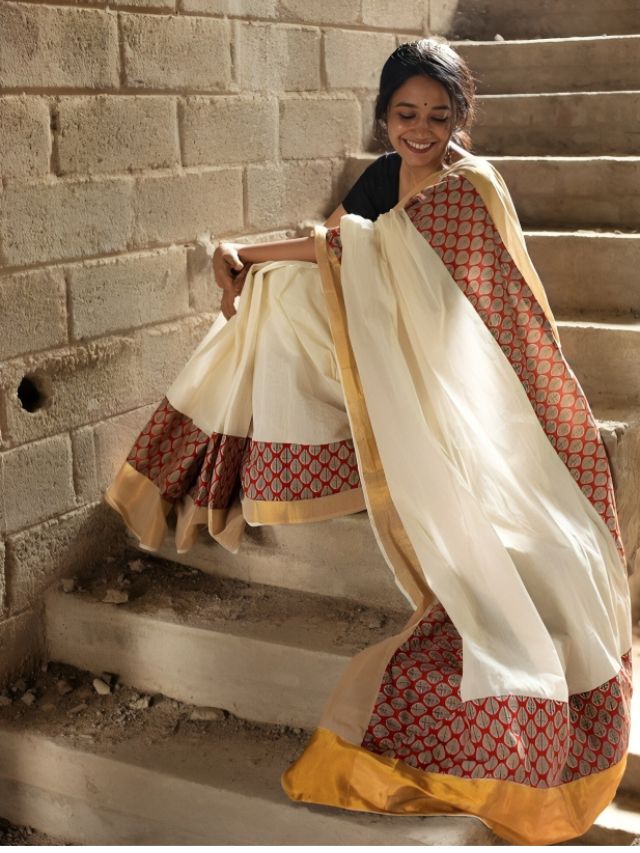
[{"x": 421, "y": 91}]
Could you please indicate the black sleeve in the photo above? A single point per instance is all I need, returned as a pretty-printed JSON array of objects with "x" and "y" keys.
[
  {"x": 376, "y": 190},
  {"x": 361, "y": 198}
]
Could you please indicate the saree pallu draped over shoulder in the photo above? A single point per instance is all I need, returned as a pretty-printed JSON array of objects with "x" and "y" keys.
[{"x": 417, "y": 370}]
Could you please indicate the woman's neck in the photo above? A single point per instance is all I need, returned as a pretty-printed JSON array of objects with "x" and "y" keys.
[{"x": 411, "y": 176}]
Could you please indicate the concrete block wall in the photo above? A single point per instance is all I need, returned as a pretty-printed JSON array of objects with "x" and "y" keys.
[{"x": 132, "y": 133}]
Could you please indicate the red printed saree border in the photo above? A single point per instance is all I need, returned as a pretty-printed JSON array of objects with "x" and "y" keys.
[
  {"x": 339, "y": 770},
  {"x": 173, "y": 463}
]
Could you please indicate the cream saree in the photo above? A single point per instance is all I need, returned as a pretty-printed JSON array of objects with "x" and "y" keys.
[{"x": 416, "y": 371}]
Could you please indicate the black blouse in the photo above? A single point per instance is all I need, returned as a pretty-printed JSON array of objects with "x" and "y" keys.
[{"x": 376, "y": 190}]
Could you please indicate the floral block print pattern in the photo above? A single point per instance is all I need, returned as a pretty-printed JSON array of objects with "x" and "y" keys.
[
  {"x": 453, "y": 218},
  {"x": 180, "y": 459},
  {"x": 290, "y": 472},
  {"x": 418, "y": 716},
  {"x": 420, "y": 719}
]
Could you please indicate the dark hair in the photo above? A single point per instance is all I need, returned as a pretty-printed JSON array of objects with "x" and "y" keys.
[{"x": 432, "y": 58}]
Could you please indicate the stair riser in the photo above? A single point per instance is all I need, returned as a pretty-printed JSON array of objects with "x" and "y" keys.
[
  {"x": 582, "y": 193},
  {"x": 560, "y": 125},
  {"x": 554, "y": 66},
  {"x": 513, "y": 19},
  {"x": 558, "y": 192},
  {"x": 631, "y": 781},
  {"x": 254, "y": 679},
  {"x": 348, "y": 565},
  {"x": 91, "y": 799},
  {"x": 606, "y": 362},
  {"x": 587, "y": 274},
  {"x": 367, "y": 580}
]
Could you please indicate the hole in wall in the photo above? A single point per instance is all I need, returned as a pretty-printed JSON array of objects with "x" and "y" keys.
[{"x": 30, "y": 394}]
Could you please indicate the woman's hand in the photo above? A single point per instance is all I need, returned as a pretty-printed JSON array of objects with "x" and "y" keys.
[{"x": 229, "y": 273}]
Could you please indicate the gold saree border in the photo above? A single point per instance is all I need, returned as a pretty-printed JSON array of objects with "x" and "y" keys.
[
  {"x": 298, "y": 512},
  {"x": 333, "y": 772},
  {"x": 139, "y": 503},
  {"x": 386, "y": 523},
  {"x": 348, "y": 709},
  {"x": 137, "y": 499}
]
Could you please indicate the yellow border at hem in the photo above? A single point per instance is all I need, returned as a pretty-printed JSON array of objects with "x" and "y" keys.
[
  {"x": 138, "y": 501},
  {"x": 334, "y": 772},
  {"x": 298, "y": 512}
]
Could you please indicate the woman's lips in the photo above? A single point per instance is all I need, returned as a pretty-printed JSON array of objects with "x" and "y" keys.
[{"x": 419, "y": 148}]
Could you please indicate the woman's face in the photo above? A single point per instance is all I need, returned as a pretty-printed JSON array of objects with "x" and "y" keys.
[{"x": 419, "y": 120}]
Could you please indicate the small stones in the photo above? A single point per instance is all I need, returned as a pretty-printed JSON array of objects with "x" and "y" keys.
[
  {"x": 373, "y": 620},
  {"x": 44, "y": 666},
  {"x": 19, "y": 686},
  {"x": 29, "y": 697},
  {"x": 207, "y": 714},
  {"x": 63, "y": 687},
  {"x": 77, "y": 708},
  {"x": 5, "y": 700},
  {"x": 100, "y": 687},
  {"x": 140, "y": 703},
  {"x": 48, "y": 707},
  {"x": 116, "y": 596},
  {"x": 68, "y": 584},
  {"x": 136, "y": 566}
]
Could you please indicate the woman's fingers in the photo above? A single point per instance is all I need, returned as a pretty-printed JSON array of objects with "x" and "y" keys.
[
  {"x": 226, "y": 306},
  {"x": 239, "y": 278},
  {"x": 226, "y": 260}
]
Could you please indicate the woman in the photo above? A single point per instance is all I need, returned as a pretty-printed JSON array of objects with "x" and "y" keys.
[{"x": 411, "y": 365}]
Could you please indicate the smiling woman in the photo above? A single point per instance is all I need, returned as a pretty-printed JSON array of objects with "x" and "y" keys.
[
  {"x": 424, "y": 106},
  {"x": 406, "y": 360}
]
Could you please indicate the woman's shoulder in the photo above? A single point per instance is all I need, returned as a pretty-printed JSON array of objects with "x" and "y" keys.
[
  {"x": 387, "y": 163},
  {"x": 376, "y": 190}
]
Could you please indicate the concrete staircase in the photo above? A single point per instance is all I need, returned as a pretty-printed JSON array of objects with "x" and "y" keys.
[
  {"x": 154, "y": 760},
  {"x": 265, "y": 634}
]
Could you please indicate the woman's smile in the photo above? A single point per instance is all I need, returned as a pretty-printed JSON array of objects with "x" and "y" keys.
[{"x": 418, "y": 147}]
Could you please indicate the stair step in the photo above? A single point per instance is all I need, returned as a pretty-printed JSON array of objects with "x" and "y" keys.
[
  {"x": 513, "y": 19},
  {"x": 554, "y": 65},
  {"x": 264, "y": 653},
  {"x": 605, "y": 358},
  {"x": 631, "y": 782},
  {"x": 587, "y": 272},
  {"x": 113, "y": 773},
  {"x": 163, "y": 778},
  {"x": 296, "y": 556},
  {"x": 352, "y": 568},
  {"x": 619, "y": 824},
  {"x": 574, "y": 191},
  {"x": 558, "y": 124},
  {"x": 558, "y": 192}
]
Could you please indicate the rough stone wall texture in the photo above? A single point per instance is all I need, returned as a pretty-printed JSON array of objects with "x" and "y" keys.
[{"x": 131, "y": 134}]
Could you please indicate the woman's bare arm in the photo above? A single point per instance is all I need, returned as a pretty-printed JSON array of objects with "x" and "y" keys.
[
  {"x": 231, "y": 261},
  {"x": 335, "y": 217}
]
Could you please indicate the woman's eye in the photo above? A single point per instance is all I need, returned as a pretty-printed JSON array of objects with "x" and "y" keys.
[
  {"x": 441, "y": 120},
  {"x": 406, "y": 118}
]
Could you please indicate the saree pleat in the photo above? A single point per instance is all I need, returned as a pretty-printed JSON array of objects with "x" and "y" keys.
[{"x": 417, "y": 371}]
